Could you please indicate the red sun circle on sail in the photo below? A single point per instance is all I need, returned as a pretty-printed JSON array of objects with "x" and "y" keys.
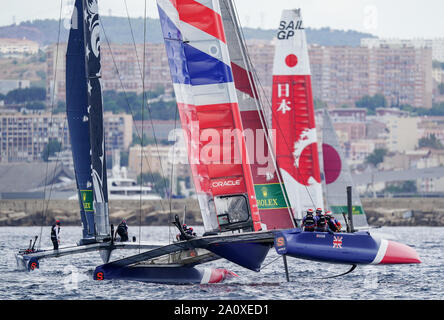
[
  {"x": 291, "y": 60},
  {"x": 332, "y": 163}
]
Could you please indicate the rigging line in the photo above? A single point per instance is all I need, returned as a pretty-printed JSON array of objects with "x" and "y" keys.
[
  {"x": 148, "y": 105},
  {"x": 134, "y": 41},
  {"x": 274, "y": 260},
  {"x": 143, "y": 107},
  {"x": 128, "y": 104},
  {"x": 50, "y": 122},
  {"x": 257, "y": 101},
  {"x": 172, "y": 176},
  {"x": 268, "y": 105}
]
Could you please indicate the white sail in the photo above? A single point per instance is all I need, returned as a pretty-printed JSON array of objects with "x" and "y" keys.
[{"x": 337, "y": 177}]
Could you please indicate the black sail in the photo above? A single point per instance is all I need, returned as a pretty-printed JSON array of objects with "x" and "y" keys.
[
  {"x": 95, "y": 111},
  {"x": 78, "y": 122}
]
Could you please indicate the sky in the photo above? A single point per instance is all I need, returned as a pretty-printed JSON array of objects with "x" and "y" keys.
[{"x": 384, "y": 18}]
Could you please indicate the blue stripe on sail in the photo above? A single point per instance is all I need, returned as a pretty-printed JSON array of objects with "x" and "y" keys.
[
  {"x": 189, "y": 65},
  {"x": 205, "y": 69}
]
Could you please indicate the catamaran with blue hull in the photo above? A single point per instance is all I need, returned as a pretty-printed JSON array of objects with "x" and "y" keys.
[{"x": 85, "y": 121}]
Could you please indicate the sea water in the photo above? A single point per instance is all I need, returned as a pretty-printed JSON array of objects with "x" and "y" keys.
[{"x": 70, "y": 277}]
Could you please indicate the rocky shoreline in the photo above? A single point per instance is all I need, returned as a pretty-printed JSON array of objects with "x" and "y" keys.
[{"x": 380, "y": 212}]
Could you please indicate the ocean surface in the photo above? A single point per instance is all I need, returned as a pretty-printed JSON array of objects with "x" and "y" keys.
[{"x": 70, "y": 277}]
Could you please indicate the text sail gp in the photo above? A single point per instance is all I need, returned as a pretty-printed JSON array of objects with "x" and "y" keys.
[{"x": 287, "y": 28}]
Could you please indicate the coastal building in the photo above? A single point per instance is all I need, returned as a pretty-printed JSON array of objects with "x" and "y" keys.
[
  {"x": 159, "y": 159},
  {"x": 343, "y": 75},
  {"x": 402, "y": 133},
  {"x": 23, "y": 137},
  {"x": 118, "y": 130},
  {"x": 121, "y": 69},
  {"x": 437, "y": 44},
  {"x": 18, "y": 46},
  {"x": 340, "y": 75}
]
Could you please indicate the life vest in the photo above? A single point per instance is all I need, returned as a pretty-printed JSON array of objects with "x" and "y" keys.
[
  {"x": 309, "y": 222},
  {"x": 53, "y": 231},
  {"x": 322, "y": 222}
]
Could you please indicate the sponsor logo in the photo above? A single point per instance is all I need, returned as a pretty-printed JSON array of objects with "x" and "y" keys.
[
  {"x": 280, "y": 242},
  {"x": 269, "y": 196},
  {"x": 287, "y": 29},
  {"x": 226, "y": 183},
  {"x": 356, "y": 210},
  {"x": 87, "y": 200}
]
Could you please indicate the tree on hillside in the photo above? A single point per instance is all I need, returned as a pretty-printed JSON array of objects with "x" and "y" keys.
[
  {"x": 401, "y": 187},
  {"x": 376, "y": 157},
  {"x": 20, "y": 96},
  {"x": 430, "y": 142},
  {"x": 51, "y": 148},
  {"x": 371, "y": 103}
]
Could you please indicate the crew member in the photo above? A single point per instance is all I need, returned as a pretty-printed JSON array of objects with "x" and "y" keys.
[
  {"x": 308, "y": 222},
  {"x": 122, "y": 231},
  {"x": 190, "y": 232},
  {"x": 332, "y": 222},
  {"x": 321, "y": 221},
  {"x": 55, "y": 234}
]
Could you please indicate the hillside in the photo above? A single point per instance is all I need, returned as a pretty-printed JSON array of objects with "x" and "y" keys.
[{"x": 118, "y": 31}]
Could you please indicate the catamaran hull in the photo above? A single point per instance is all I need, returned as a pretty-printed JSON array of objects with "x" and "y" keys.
[
  {"x": 163, "y": 274},
  {"x": 343, "y": 248},
  {"x": 26, "y": 263}
]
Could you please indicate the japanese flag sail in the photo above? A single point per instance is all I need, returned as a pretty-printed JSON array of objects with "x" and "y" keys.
[{"x": 293, "y": 116}]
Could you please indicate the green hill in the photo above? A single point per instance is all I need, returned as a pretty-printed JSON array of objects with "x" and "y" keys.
[{"x": 118, "y": 30}]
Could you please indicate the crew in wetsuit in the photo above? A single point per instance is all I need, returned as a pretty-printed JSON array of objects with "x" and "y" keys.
[
  {"x": 308, "y": 222},
  {"x": 55, "y": 234},
  {"x": 122, "y": 231},
  {"x": 332, "y": 222}
]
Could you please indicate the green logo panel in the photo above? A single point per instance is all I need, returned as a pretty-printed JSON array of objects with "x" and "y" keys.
[
  {"x": 87, "y": 200},
  {"x": 340, "y": 209},
  {"x": 269, "y": 196}
]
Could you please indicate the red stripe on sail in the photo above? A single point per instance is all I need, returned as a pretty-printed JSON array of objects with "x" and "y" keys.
[
  {"x": 243, "y": 80},
  {"x": 293, "y": 118},
  {"x": 201, "y": 17},
  {"x": 218, "y": 166}
]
